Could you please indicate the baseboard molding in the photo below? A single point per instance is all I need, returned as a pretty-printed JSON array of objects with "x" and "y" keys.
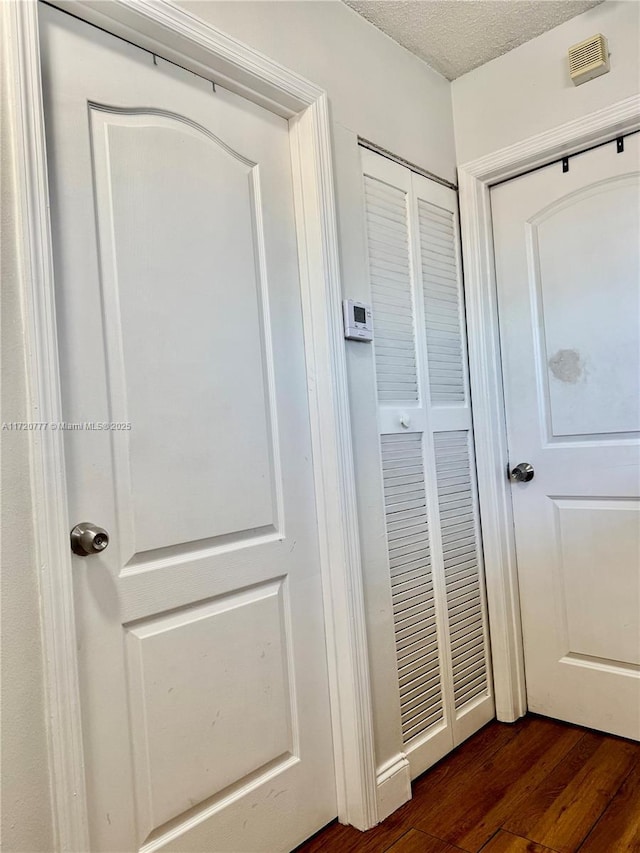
[{"x": 394, "y": 785}]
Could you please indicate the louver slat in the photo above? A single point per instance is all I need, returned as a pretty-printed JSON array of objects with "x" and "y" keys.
[
  {"x": 442, "y": 305},
  {"x": 411, "y": 584},
  {"x": 461, "y": 567},
  {"x": 391, "y": 290}
]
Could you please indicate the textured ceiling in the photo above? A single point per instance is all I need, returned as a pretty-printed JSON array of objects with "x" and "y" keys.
[{"x": 456, "y": 36}]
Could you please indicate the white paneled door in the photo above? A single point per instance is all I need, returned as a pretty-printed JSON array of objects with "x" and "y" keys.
[
  {"x": 204, "y": 692},
  {"x": 567, "y": 249},
  {"x": 426, "y": 450}
]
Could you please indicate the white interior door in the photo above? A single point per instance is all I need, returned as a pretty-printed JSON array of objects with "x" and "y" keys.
[
  {"x": 204, "y": 687},
  {"x": 567, "y": 249},
  {"x": 432, "y": 530}
]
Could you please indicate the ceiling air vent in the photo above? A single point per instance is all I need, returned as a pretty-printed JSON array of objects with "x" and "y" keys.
[{"x": 588, "y": 59}]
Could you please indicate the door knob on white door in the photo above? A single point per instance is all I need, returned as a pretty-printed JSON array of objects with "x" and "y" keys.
[
  {"x": 522, "y": 473},
  {"x": 87, "y": 539}
]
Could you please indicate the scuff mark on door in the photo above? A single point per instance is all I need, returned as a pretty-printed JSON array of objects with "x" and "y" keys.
[{"x": 566, "y": 365}]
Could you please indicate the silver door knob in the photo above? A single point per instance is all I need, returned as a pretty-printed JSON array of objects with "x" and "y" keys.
[
  {"x": 87, "y": 538},
  {"x": 522, "y": 473}
]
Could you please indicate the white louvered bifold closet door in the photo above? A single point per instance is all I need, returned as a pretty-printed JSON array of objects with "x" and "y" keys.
[{"x": 428, "y": 468}]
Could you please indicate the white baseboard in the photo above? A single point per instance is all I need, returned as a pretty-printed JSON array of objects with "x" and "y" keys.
[{"x": 394, "y": 785}]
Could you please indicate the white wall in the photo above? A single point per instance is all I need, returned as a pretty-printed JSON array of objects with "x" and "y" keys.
[
  {"x": 528, "y": 90},
  {"x": 377, "y": 90}
]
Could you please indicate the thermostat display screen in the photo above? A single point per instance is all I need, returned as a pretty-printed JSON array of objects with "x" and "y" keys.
[{"x": 359, "y": 314}]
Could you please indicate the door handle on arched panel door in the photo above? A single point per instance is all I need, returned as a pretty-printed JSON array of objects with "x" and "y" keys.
[
  {"x": 522, "y": 473},
  {"x": 87, "y": 539}
]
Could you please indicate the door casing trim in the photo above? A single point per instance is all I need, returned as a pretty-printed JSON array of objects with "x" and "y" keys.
[
  {"x": 475, "y": 180},
  {"x": 174, "y": 34}
]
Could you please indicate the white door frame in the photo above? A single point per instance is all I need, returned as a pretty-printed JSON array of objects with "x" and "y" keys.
[
  {"x": 475, "y": 179},
  {"x": 167, "y": 31}
]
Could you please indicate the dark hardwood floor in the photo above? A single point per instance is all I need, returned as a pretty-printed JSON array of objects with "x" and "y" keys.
[{"x": 537, "y": 786}]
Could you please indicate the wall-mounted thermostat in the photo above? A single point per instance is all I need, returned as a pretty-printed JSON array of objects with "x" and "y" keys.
[{"x": 358, "y": 321}]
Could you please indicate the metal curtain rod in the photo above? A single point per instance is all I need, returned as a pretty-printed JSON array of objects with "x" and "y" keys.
[
  {"x": 378, "y": 149},
  {"x": 618, "y": 141}
]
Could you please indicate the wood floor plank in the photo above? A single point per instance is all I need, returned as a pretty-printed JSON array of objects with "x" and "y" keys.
[
  {"x": 346, "y": 839},
  {"x": 537, "y": 775},
  {"x": 506, "y": 842},
  {"x": 619, "y": 827},
  {"x": 415, "y": 841},
  {"x": 476, "y": 801},
  {"x": 479, "y": 748},
  {"x": 563, "y": 808},
  {"x": 472, "y": 752}
]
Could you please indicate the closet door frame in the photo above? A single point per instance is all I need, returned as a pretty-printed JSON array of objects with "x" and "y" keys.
[{"x": 475, "y": 179}]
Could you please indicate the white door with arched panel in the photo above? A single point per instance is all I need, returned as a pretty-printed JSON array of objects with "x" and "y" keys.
[
  {"x": 204, "y": 689},
  {"x": 567, "y": 248}
]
